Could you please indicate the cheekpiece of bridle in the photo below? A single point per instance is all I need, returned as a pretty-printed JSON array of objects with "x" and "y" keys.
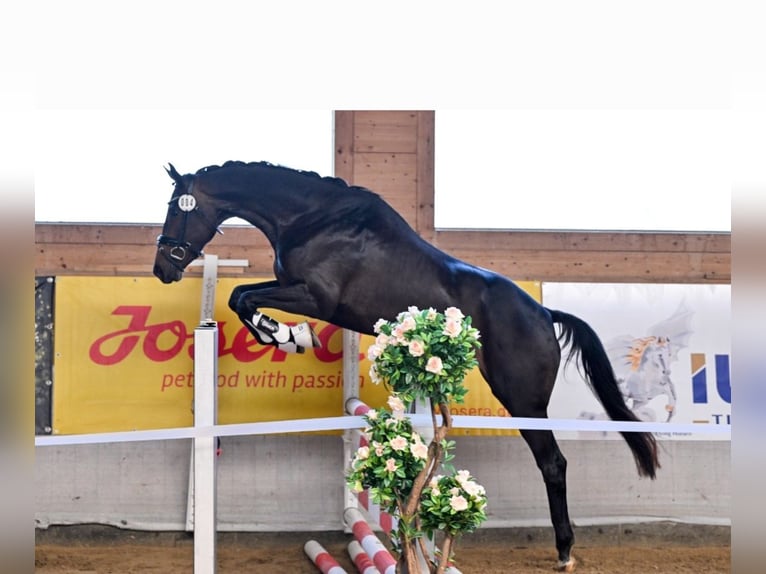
[{"x": 179, "y": 247}]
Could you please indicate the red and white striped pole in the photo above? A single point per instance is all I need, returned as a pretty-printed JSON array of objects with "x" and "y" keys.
[
  {"x": 356, "y": 407},
  {"x": 371, "y": 544},
  {"x": 322, "y": 559},
  {"x": 362, "y": 561}
]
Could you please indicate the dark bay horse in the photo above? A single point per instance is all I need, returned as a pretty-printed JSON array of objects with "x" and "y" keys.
[{"x": 344, "y": 256}]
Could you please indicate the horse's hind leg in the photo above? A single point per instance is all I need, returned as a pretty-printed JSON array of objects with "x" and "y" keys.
[{"x": 553, "y": 467}]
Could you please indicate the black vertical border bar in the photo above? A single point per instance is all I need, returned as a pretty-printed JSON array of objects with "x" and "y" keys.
[{"x": 44, "y": 291}]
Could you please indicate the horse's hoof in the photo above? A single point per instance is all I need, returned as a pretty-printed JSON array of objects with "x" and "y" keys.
[
  {"x": 568, "y": 566},
  {"x": 314, "y": 339},
  {"x": 303, "y": 336}
]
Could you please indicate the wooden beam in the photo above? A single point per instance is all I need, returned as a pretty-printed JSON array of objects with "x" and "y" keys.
[
  {"x": 424, "y": 187},
  {"x": 393, "y": 154}
]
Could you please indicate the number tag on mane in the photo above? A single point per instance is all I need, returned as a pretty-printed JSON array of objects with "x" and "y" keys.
[{"x": 186, "y": 202}]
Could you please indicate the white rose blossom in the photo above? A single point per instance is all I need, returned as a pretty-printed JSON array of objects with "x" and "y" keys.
[
  {"x": 363, "y": 452},
  {"x": 419, "y": 450},
  {"x": 398, "y": 443},
  {"x": 374, "y": 351},
  {"x": 453, "y": 313},
  {"x": 395, "y": 403},
  {"x": 473, "y": 489},
  {"x": 458, "y": 503}
]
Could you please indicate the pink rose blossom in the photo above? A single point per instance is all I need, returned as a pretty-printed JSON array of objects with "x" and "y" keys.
[
  {"x": 434, "y": 365},
  {"x": 408, "y": 324},
  {"x": 417, "y": 348},
  {"x": 391, "y": 465},
  {"x": 452, "y": 328},
  {"x": 378, "y": 324}
]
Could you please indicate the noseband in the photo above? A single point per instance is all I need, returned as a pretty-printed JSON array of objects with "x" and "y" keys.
[{"x": 179, "y": 247}]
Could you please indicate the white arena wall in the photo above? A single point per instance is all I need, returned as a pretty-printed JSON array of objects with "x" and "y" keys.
[{"x": 295, "y": 483}]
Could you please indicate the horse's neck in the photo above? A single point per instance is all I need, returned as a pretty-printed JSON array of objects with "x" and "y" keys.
[{"x": 270, "y": 204}]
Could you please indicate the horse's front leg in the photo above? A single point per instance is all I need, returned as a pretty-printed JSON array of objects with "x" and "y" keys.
[
  {"x": 246, "y": 300},
  {"x": 670, "y": 392}
]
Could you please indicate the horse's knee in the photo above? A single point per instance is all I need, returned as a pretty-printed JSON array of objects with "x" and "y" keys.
[
  {"x": 237, "y": 302},
  {"x": 234, "y": 299}
]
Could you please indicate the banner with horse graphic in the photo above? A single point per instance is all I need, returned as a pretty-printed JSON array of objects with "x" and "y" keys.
[
  {"x": 123, "y": 361},
  {"x": 669, "y": 346}
]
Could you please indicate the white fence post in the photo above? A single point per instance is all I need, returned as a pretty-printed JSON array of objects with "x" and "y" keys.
[
  {"x": 205, "y": 415},
  {"x": 206, "y": 314},
  {"x": 350, "y": 390}
]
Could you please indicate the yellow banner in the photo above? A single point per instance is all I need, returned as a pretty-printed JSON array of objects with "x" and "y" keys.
[{"x": 124, "y": 349}]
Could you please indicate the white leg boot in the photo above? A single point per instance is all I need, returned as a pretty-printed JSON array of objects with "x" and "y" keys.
[{"x": 291, "y": 339}]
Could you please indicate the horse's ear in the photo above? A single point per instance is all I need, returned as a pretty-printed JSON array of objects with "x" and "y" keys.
[{"x": 173, "y": 173}]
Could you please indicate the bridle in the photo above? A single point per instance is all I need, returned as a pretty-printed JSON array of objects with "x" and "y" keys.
[{"x": 179, "y": 247}]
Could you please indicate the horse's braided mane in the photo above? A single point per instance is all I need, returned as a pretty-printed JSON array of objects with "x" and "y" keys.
[{"x": 336, "y": 180}]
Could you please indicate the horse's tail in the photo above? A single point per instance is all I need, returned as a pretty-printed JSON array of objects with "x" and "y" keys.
[{"x": 584, "y": 342}]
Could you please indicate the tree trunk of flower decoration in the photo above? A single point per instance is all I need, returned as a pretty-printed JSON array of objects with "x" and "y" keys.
[{"x": 410, "y": 561}]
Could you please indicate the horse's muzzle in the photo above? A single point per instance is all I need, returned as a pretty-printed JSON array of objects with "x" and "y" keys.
[{"x": 167, "y": 274}]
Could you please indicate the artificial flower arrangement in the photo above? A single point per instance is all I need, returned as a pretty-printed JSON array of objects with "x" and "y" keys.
[{"x": 422, "y": 355}]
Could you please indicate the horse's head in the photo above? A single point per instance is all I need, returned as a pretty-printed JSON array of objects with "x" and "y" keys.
[
  {"x": 658, "y": 355},
  {"x": 191, "y": 222},
  {"x": 650, "y": 355}
]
